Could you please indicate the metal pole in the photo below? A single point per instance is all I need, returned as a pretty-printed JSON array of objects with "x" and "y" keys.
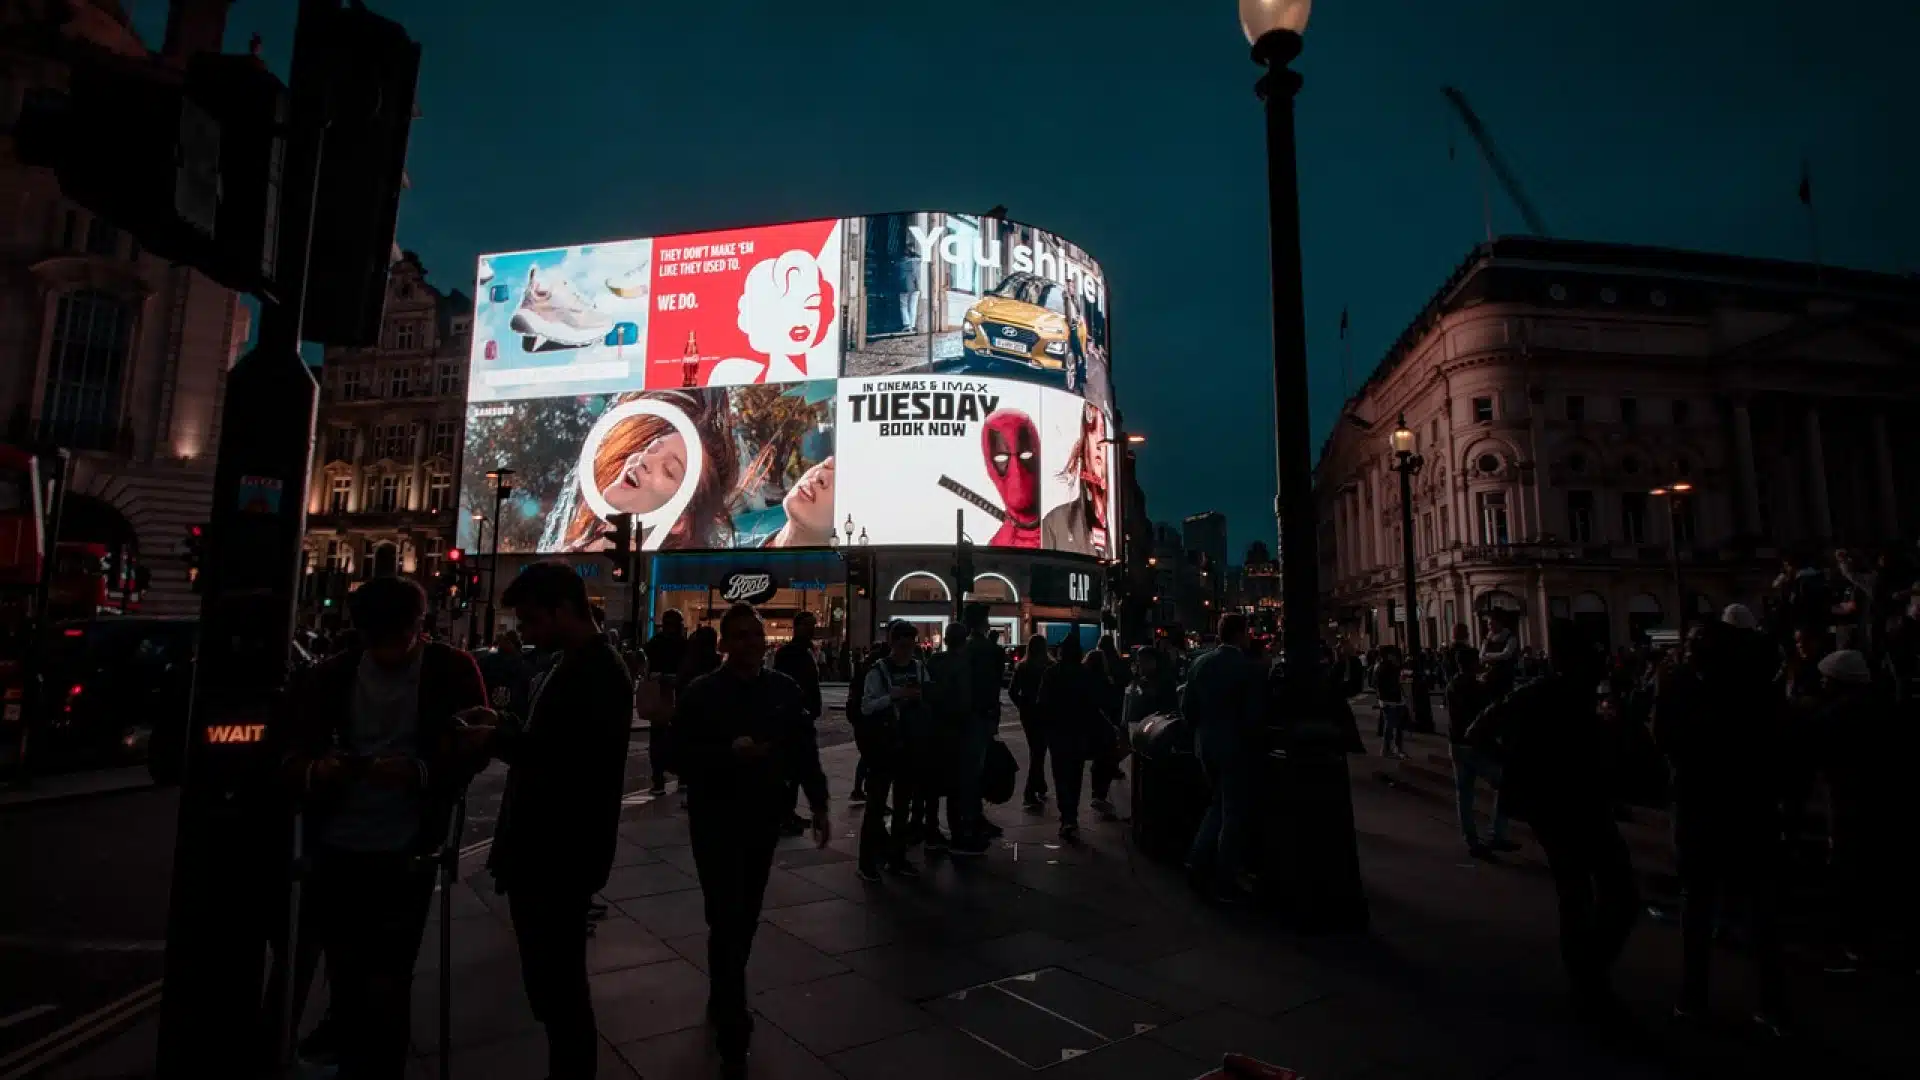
[
  {"x": 43, "y": 625},
  {"x": 1422, "y": 708},
  {"x": 1293, "y": 451},
  {"x": 1673, "y": 554},
  {"x": 493, "y": 561}
]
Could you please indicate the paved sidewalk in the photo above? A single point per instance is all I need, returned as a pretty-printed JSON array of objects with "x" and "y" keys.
[
  {"x": 79, "y": 784},
  {"x": 1093, "y": 964}
]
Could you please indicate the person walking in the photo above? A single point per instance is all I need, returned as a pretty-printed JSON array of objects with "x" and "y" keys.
[
  {"x": 1387, "y": 681},
  {"x": 744, "y": 735},
  {"x": 893, "y": 734},
  {"x": 795, "y": 660},
  {"x": 862, "y": 663},
  {"x": 1025, "y": 692},
  {"x": 983, "y": 663},
  {"x": 1716, "y": 719},
  {"x": 379, "y": 755},
  {"x": 1105, "y": 745},
  {"x": 567, "y": 762},
  {"x": 1465, "y": 695},
  {"x": 1224, "y": 704},
  {"x": 1559, "y": 777},
  {"x": 1069, "y": 706},
  {"x": 950, "y": 707}
]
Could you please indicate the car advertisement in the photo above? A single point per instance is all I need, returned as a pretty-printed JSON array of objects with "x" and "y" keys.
[
  {"x": 739, "y": 467},
  {"x": 796, "y": 385}
]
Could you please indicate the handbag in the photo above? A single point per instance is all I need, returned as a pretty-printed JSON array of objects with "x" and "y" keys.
[
  {"x": 998, "y": 775},
  {"x": 653, "y": 701}
]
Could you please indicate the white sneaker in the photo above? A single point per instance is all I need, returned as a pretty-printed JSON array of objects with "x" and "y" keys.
[{"x": 551, "y": 310}]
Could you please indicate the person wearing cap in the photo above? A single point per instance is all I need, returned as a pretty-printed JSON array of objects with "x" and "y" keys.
[{"x": 1852, "y": 733}]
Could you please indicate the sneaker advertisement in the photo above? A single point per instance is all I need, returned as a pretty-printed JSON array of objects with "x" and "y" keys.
[
  {"x": 740, "y": 467},
  {"x": 814, "y": 383}
]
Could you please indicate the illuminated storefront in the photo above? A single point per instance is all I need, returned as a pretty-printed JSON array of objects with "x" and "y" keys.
[{"x": 701, "y": 587}]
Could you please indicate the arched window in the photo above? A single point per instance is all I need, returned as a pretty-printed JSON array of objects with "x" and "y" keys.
[
  {"x": 992, "y": 588},
  {"x": 86, "y": 365},
  {"x": 919, "y": 586}
]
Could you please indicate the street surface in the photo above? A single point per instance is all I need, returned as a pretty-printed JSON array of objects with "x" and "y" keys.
[
  {"x": 83, "y": 918},
  {"x": 1458, "y": 977}
]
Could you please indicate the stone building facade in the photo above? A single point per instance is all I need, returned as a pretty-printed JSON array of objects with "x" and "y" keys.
[
  {"x": 384, "y": 493},
  {"x": 105, "y": 349},
  {"x": 1553, "y": 387}
]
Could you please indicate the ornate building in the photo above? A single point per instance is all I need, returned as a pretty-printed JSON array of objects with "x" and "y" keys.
[
  {"x": 386, "y": 464},
  {"x": 106, "y": 350},
  {"x": 1560, "y": 392}
]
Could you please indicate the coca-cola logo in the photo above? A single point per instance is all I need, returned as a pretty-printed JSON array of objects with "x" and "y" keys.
[{"x": 747, "y": 587}]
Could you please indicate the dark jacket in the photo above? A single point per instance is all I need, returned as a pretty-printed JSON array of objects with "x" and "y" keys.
[
  {"x": 567, "y": 775},
  {"x": 322, "y": 706},
  {"x": 665, "y": 653},
  {"x": 795, "y": 661},
  {"x": 1069, "y": 703},
  {"x": 1025, "y": 688},
  {"x": 1556, "y": 757},
  {"x": 509, "y": 679},
  {"x": 721, "y": 706},
  {"x": 985, "y": 664}
]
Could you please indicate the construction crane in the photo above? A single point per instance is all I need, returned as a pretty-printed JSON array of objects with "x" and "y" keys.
[{"x": 1495, "y": 164}]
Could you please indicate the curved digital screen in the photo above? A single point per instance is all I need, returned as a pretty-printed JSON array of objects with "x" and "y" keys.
[{"x": 810, "y": 384}]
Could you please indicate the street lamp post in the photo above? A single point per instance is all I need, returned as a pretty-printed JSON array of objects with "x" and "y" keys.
[
  {"x": 473, "y": 606},
  {"x": 502, "y": 480},
  {"x": 1673, "y": 493},
  {"x": 1408, "y": 465},
  {"x": 1319, "y": 860}
]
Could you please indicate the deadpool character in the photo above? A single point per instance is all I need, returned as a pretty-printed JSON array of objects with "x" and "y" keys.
[{"x": 1011, "y": 444}]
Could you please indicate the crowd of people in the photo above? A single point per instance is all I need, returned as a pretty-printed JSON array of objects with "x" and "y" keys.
[{"x": 1769, "y": 738}]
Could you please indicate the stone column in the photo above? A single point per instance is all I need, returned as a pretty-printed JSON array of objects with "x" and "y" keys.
[
  {"x": 1889, "y": 494},
  {"x": 1744, "y": 471},
  {"x": 1820, "y": 510}
]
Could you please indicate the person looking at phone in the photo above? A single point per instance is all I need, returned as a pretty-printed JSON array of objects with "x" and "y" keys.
[
  {"x": 743, "y": 733},
  {"x": 566, "y": 774},
  {"x": 378, "y": 756}
]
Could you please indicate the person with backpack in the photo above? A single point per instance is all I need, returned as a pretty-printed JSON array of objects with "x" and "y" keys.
[{"x": 892, "y": 733}]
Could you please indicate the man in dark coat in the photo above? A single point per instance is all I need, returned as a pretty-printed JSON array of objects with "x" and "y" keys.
[{"x": 553, "y": 847}]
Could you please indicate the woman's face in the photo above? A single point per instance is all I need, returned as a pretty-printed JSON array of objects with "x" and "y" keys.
[
  {"x": 650, "y": 477},
  {"x": 1096, "y": 453},
  {"x": 809, "y": 504}
]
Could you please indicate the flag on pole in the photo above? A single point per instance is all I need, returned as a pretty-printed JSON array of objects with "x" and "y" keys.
[
  {"x": 1806, "y": 183},
  {"x": 1343, "y": 323}
]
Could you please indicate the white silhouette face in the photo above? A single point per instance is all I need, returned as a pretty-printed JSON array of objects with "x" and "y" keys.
[
  {"x": 783, "y": 306},
  {"x": 650, "y": 477}
]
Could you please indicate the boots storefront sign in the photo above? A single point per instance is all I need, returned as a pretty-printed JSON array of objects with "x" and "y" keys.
[{"x": 748, "y": 587}]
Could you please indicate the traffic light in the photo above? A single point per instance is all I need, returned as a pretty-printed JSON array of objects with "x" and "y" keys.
[
  {"x": 859, "y": 574},
  {"x": 620, "y": 552},
  {"x": 193, "y": 551}
]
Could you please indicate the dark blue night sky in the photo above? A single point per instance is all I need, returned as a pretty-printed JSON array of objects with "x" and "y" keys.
[{"x": 1130, "y": 127}]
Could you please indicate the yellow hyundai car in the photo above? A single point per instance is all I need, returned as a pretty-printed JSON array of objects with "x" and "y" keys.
[{"x": 1024, "y": 319}]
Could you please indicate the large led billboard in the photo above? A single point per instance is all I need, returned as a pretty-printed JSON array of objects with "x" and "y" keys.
[{"x": 798, "y": 385}]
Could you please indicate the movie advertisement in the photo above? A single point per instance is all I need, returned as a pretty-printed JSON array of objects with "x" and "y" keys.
[
  {"x": 740, "y": 467},
  {"x": 959, "y": 294},
  {"x": 917, "y": 448},
  {"x": 1079, "y": 496},
  {"x": 560, "y": 322},
  {"x": 745, "y": 306}
]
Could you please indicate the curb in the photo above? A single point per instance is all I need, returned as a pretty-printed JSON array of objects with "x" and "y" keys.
[{"x": 14, "y": 799}]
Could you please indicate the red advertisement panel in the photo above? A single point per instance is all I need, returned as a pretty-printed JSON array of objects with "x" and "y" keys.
[{"x": 745, "y": 306}]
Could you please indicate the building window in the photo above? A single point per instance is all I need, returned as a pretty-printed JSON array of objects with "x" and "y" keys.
[
  {"x": 353, "y": 384},
  {"x": 445, "y": 432},
  {"x": 449, "y": 382},
  {"x": 1493, "y": 518},
  {"x": 1433, "y": 431},
  {"x": 1576, "y": 408},
  {"x": 339, "y": 444},
  {"x": 397, "y": 380},
  {"x": 92, "y": 333},
  {"x": 406, "y": 491},
  {"x": 1488, "y": 464},
  {"x": 1446, "y": 527},
  {"x": 1426, "y": 531},
  {"x": 102, "y": 238},
  {"x": 1483, "y": 410},
  {"x": 403, "y": 335},
  {"x": 1682, "y": 413},
  {"x": 1580, "y": 517},
  {"x": 1633, "y": 516},
  {"x": 439, "y": 493},
  {"x": 339, "y": 556},
  {"x": 387, "y": 499},
  {"x": 1629, "y": 411},
  {"x": 394, "y": 441},
  {"x": 1683, "y": 522},
  {"x": 339, "y": 497}
]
